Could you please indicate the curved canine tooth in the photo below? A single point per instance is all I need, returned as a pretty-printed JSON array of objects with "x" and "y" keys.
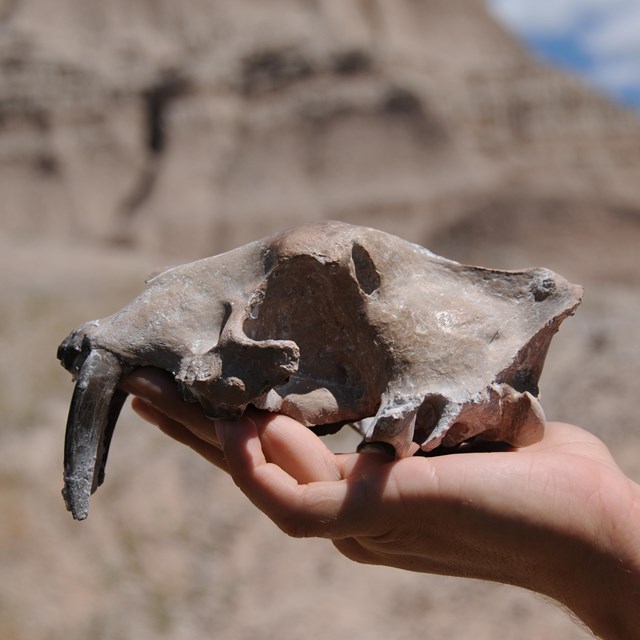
[{"x": 94, "y": 410}]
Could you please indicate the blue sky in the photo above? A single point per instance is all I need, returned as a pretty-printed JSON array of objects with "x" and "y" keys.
[{"x": 597, "y": 39}]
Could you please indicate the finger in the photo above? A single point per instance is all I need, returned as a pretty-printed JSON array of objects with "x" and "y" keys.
[
  {"x": 158, "y": 389},
  {"x": 359, "y": 465},
  {"x": 303, "y": 455},
  {"x": 330, "y": 509},
  {"x": 294, "y": 448},
  {"x": 289, "y": 443},
  {"x": 179, "y": 432}
]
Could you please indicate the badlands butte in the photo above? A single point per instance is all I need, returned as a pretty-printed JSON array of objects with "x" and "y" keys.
[{"x": 134, "y": 135}]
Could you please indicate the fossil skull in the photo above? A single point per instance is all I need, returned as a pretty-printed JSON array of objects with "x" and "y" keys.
[{"x": 330, "y": 324}]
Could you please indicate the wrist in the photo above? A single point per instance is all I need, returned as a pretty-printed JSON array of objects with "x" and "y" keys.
[{"x": 599, "y": 577}]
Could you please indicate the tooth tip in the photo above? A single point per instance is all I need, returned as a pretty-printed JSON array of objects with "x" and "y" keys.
[{"x": 76, "y": 502}]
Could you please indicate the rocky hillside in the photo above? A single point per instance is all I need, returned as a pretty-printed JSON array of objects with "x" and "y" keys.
[
  {"x": 135, "y": 134},
  {"x": 124, "y": 121}
]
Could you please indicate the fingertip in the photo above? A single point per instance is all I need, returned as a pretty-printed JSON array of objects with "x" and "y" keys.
[
  {"x": 148, "y": 383},
  {"x": 145, "y": 410}
]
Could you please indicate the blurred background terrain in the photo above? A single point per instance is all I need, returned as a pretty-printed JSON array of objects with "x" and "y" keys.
[{"x": 139, "y": 134}]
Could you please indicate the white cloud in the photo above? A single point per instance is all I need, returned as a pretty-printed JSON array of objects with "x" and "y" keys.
[
  {"x": 606, "y": 31},
  {"x": 553, "y": 17},
  {"x": 530, "y": 17},
  {"x": 618, "y": 36}
]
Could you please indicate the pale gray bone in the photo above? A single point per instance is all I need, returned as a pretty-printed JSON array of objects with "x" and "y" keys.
[{"x": 331, "y": 324}]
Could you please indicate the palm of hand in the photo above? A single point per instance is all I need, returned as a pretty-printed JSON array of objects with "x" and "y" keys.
[
  {"x": 558, "y": 517},
  {"x": 456, "y": 514}
]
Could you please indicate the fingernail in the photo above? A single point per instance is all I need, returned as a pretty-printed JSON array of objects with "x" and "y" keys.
[{"x": 220, "y": 432}]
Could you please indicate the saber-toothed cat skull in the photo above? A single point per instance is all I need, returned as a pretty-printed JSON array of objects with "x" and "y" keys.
[{"x": 330, "y": 324}]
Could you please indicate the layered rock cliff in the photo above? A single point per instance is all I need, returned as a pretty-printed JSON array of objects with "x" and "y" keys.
[{"x": 191, "y": 127}]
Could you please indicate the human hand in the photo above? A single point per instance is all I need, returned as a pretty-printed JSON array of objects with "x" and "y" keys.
[{"x": 558, "y": 517}]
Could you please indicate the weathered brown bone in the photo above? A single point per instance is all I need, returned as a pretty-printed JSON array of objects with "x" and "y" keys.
[{"x": 330, "y": 324}]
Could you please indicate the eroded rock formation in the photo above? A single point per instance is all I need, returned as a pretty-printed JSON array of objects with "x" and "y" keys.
[{"x": 120, "y": 122}]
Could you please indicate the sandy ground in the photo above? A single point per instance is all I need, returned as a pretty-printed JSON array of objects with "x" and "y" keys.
[{"x": 173, "y": 550}]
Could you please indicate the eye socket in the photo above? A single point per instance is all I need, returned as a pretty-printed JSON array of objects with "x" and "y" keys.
[{"x": 365, "y": 270}]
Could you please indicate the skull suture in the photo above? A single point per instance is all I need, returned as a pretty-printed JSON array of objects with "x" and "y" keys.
[{"x": 330, "y": 324}]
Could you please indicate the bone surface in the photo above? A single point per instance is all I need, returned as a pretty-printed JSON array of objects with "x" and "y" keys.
[{"x": 331, "y": 324}]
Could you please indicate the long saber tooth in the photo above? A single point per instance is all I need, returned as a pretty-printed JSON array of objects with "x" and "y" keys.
[{"x": 94, "y": 410}]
